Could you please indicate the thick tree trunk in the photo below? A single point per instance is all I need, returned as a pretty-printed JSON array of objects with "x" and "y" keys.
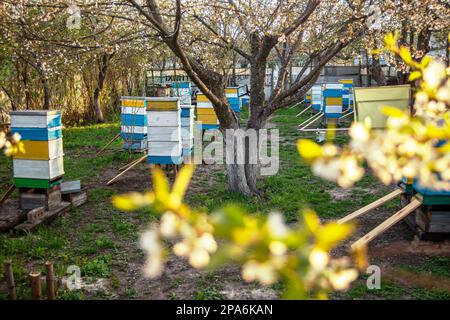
[{"x": 377, "y": 72}]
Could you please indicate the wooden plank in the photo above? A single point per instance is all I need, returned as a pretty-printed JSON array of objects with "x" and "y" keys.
[
  {"x": 371, "y": 206},
  {"x": 128, "y": 169},
  {"x": 163, "y": 105},
  {"x": 36, "y": 183},
  {"x": 48, "y": 217},
  {"x": 76, "y": 199},
  {"x": 388, "y": 223},
  {"x": 206, "y": 111},
  {"x": 7, "y": 194}
]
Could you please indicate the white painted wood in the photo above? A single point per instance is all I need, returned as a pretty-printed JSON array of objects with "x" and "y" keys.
[
  {"x": 133, "y": 110},
  {"x": 333, "y": 109},
  {"x": 163, "y": 118},
  {"x": 202, "y": 104},
  {"x": 334, "y": 86},
  {"x": 187, "y": 122},
  {"x": 55, "y": 148},
  {"x": 164, "y": 148},
  {"x": 131, "y": 129},
  {"x": 164, "y": 133},
  {"x": 38, "y": 169},
  {"x": 32, "y": 119}
]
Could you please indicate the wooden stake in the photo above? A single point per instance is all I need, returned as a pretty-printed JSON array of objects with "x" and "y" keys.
[
  {"x": 50, "y": 278},
  {"x": 400, "y": 215},
  {"x": 175, "y": 171},
  {"x": 9, "y": 276},
  {"x": 302, "y": 112},
  {"x": 371, "y": 206},
  {"x": 128, "y": 164},
  {"x": 312, "y": 121},
  {"x": 7, "y": 194},
  {"x": 117, "y": 136},
  {"x": 125, "y": 171},
  {"x": 35, "y": 283}
]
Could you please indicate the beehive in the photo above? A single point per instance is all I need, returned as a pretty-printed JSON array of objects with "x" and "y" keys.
[
  {"x": 316, "y": 97},
  {"x": 183, "y": 91},
  {"x": 41, "y": 165},
  {"x": 133, "y": 120},
  {"x": 232, "y": 94},
  {"x": 332, "y": 102},
  {"x": 164, "y": 130},
  {"x": 347, "y": 94},
  {"x": 368, "y": 102},
  {"x": 206, "y": 116}
]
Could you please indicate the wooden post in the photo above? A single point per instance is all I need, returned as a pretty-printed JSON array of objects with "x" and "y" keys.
[
  {"x": 35, "y": 283},
  {"x": 175, "y": 171},
  {"x": 117, "y": 136},
  {"x": 50, "y": 278},
  {"x": 125, "y": 171},
  {"x": 9, "y": 275}
]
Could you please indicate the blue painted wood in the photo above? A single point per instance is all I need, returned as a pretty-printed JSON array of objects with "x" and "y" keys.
[
  {"x": 38, "y": 134},
  {"x": 207, "y": 126},
  {"x": 133, "y": 136},
  {"x": 332, "y": 93},
  {"x": 138, "y": 120},
  {"x": 187, "y": 152},
  {"x": 333, "y": 115},
  {"x": 135, "y": 145},
  {"x": 185, "y": 112},
  {"x": 164, "y": 160}
]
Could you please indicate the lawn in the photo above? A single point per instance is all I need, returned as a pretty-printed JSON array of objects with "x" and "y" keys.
[{"x": 103, "y": 242}]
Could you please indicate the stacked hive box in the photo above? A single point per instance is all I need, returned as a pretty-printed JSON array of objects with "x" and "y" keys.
[
  {"x": 41, "y": 165},
  {"x": 316, "y": 96},
  {"x": 164, "y": 131},
  {"x": 232, "y": 94},
  {"x": 206, "y": 116},
  {"x": 183, "y": 91},
  {"x": 332, "y": 100},
  {"x": 347, "y": 94},
  {"x": 133, "y": 120}
]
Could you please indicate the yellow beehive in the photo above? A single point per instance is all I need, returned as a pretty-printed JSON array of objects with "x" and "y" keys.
[{"x": 369, "y": 102}]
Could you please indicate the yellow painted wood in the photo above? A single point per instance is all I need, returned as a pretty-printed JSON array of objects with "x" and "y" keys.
[
  {"x": 231, "y": 90},
  {"x": 133, "y": 103},
  {"x": 207, "y": 119},
  {"x": 369, "y": 102},
  {"x": 333, "y": 101},
  {"x": 346, "y": 81},
  {"x": 309, "y": 97},
  {"x": 202, "y": 98},
  {"x": 206, "y": 111},
  {"x": 35, "y": 150},
  {"x": 162, "y": 105}
]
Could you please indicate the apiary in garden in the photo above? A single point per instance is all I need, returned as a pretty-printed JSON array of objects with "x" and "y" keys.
[
  {"x": 206, "y": 116},
  {"x": 133, "y": 123},
  {"x": 164, "y": 130}
]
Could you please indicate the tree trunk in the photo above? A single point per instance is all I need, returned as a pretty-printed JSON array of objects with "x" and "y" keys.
[
  {"x": 377, "y": 72},
  {"x": 103, "y": 68}
]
